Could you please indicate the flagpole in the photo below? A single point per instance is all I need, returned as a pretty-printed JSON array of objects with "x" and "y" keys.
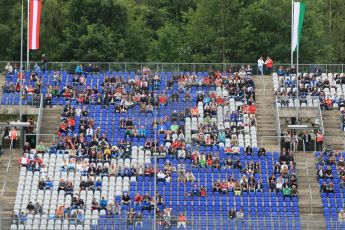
[
  {"x": 297, "y": 62},
  {"x": 27, "y": 42},
  {"x": 21, "y": 63},
  {"x": 291, "y": 62}
]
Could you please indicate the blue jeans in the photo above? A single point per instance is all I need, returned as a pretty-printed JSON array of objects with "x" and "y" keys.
[{"x": 261, "y": 70}]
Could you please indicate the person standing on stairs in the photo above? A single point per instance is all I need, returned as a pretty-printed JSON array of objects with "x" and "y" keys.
[
  {"x": 261, "y": 66},
  {"x": 269, "y": 65},
  {"x": 319, "y": 140},
  {"x": 287, "y": 141},
  {"x": 306, "y": 140}
]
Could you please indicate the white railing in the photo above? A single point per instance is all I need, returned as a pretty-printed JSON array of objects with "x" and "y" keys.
[{"x": 39, "y": 118}]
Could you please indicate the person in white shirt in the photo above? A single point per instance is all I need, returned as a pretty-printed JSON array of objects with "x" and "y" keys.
[
  {"x": 161, "y": 176},
  {"x": 78, "y": 112},
  {"x": 190, "y": 177},
  {"x": 89, "y": 132},
  {"x": 9, "y": 68},
  {"x": 261, "y": 66}
]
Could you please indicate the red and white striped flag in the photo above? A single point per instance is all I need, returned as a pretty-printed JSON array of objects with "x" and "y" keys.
[{"x": 34, "y": 24}]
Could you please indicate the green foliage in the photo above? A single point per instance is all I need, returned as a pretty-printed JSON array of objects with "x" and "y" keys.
[{"x": 176, "y": 30}]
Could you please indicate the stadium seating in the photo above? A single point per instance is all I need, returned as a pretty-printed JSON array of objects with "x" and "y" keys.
[
  {"x": 329, "y": 88},
  {"x": 332, "y": 185},
  {"x": 128, "y": 166}
]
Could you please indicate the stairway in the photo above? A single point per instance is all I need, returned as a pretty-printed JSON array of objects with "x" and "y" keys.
[
  {"x": 50, "y": 123},
  {"x": 309, "y": 198},
  {"x": 265, "y": 113},
  {"x": 333, "y": 135},
  {"x": 10, "y": 189}
]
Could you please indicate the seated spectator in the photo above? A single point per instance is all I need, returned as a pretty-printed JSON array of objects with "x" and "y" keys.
[
  {"x": 286, "y": 191},
  {"x": 224, "y": 186},
  {"x": 159, "y": 199},
  {"x": 59, "y": 213},
  {"x": 41, "y": 148},
  {"x": 30, "y": 208},
  {"x": 342, "y": 182},
  {"x": 216, "y": 187},
  {"x": 321, "y": 172},
  {"x": 341, "y": 216},
  {"x": 22, "y": 218},
  {"x": 294, "y": 191},
  {"x": 195, "y": 191},
  {"x": 94, "y": 205},
  {"x": 203, "y": 191},
  {"x": 138, "y": 199},
  {"x": 98, "y": 184},
  {"x": 103, "y": 203},
  {"x": 69, "y": 189},
  {"x": 38, "y": 208},
  {"x": 41, "y": 184},
  {"x": 62, "y": 185},
  {"x": 262, "y": 152},
  {"x": 139, "y": 221},
  {"x": 182, "y": 222},
  {"x": 147, "y": 202},
  {"x": 14, "y": 218},
  {"x": 24, "y": 161},
  {"x": 117, "y": 209},
  {"x": 240, "y": 215},
  {"x": 330, "y": 188},
  {"x": 328, "y": 173},
  {"x": 238, "y": 189},
  {"x": 161, "y": 176},
  {"x": 80, "y": 217},
  {"x": 131, "y": 216},
  {"x": 272, "y": 185},
  {"x": 232, "y": 214},
  {"x": 190, "y": 177},
  {"x": 126, "y": 200}
]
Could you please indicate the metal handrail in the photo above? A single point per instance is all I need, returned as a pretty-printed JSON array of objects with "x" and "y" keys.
[
  {"x": 164, "y": 66},
  {"x": 39, "y": 119},
  {"x": 277, "y": 118},
  {"x": 310, "y": 194},
  {"x": 7, "y": 169},
  {"x": 320, "y": 116}
]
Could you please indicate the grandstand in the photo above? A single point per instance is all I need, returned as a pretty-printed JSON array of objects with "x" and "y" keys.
[{"x": 204, "y": 145}]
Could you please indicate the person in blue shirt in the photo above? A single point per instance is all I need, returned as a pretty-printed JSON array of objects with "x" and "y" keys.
[
  {"x": 22, "y": 218},
  {"x": 161, "y": 128},
  {"x": 142, "y": 131},
  {"x": 80, "y": 217},
  {"x": 103, "y": 203},
  {"x": 281, "y": 71},
  {"x": 206, "y": 100},
  {"x": 233, "y": 117},
  {"x": 37, "y": 68},
  {"x": 98, "y": 184},
  {"x": 48, "y": 184},
  {"x": 79, "y": 69},
  {"x": 195, "y": 191}
]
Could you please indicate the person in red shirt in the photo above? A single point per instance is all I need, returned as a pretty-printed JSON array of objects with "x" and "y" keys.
[
  {"x": 138, "y": 199},
  {"x": 269, "y": 65},
  {"x": 162, "y": 100},
  {"x": 181, "y": 221},
  {"x": 219, "y": 100},
  {"x": 252, "y": 109}
]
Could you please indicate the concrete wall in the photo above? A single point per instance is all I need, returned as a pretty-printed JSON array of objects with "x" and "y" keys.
[
  {"x": 14, "y": 110},
  {"x": 302, "y": 112}
]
